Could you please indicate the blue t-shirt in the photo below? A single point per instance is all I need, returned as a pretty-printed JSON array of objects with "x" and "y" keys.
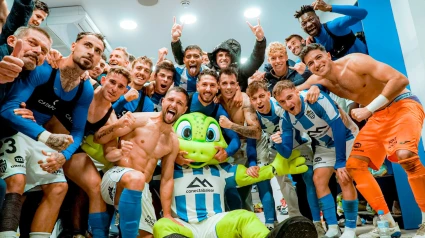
[
  {"x": 156, "y": 99},
  {"x": 21, "y": 91},
  {"x": 341, "y": 26},
  {"x": 121, "y": 106},
  {"x": 184, "y": 80}
]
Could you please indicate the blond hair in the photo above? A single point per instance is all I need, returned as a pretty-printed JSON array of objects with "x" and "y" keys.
[
  {"x": 123, "y": 49},
  {"x": 275, "y": 46}
]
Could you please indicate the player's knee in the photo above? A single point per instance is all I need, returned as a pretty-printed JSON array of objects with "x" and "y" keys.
[
  {"x": 56, "y": 190},
  {"x": 92, "y": 187},
  {"x": 16, "y": 183},
  {"x": 320, "y": 182},
  {"x": 134, "y": 180},
  {"x": 412, "y": 164},
  {"x": 404, "y": 154},
  {"x": 356, "y": 166}
]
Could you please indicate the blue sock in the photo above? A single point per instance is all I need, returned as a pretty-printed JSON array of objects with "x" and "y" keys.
[
  {"x": 130, "y": 209},
  {"x": 99, "y": 223},
  {"x": 350, "y": 212},
  {"x": 313, "y": 201},
  {"x": 2, "y": 191},
  {"x": 327, "y": 205},
  {"x": 266, "y": 196}
]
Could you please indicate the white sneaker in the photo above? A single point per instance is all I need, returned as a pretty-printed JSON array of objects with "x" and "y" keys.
[
  {"x": 330, "y": 234},
  {"x": 420, "y": 233},
  {"x": 394, "y": 231}
]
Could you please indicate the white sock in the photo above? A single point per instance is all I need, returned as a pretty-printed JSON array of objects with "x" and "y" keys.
[
  {"x": 423, "y": 217},
  {"x": 349, "y": 232},
  {"x": 390, "y": 219},
  {"x": 8, "y": 234},
  {"x": 40, "y": 235},
  {"x": 332, "y": 231}
]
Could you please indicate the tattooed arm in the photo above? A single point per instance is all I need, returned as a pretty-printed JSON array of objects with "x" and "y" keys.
[{"x": 253, "y": 129}]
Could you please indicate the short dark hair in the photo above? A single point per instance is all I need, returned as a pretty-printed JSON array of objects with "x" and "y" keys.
[
  {"x": 24, "y": 31},
  {"x": 179, "y": 90},
  {"x": 193, "y": 47},
  {"x": 292, "y": 36},
  {"x": 120, "y": 70},
  {"x": 304, "y": 9},
  {"x": 104, "y": 56},
  {"x": 165, "y": 65},
  {"x": 210, "y": 72},
  {"x": 255, "y": 86},
  {"x": 282, "y": 85},
  {"x": 39, "y": 5},
  {"x": 306, "y": 49},
  {"x": 228, "y": 71},
  {"x": 81, "y": 35}
]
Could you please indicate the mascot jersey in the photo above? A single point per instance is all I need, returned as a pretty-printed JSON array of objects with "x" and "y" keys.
[{"x": 199, "y": 192}]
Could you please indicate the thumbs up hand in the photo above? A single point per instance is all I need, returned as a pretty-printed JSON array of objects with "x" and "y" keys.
[{"x": 11, "y": 65}]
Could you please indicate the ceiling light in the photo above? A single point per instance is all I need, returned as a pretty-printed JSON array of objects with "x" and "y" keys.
[
  {"x": 243, "y": 60},
  {"x": 128, "y": 25},
  {"x": 188, "y": 19},
  {"x": 252, "y": 12}
]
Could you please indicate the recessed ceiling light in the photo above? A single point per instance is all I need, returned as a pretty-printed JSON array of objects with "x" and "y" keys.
[
  {"x": 243, "y": 60},
  {"x": 128, "y": 25},
  {"x": 188, "y": 19},
  {"x": 252, "y": 12}
]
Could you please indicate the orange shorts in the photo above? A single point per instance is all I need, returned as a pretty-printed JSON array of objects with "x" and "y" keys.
[{"x": 396, "y": 127}]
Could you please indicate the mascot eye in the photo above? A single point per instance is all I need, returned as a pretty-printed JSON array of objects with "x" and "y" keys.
[
  {"x": 213, "y": 133},
  {"x": 184, "y": 130}
]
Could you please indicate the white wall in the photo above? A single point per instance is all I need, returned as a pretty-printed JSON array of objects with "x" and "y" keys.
[
  {"x": 328, "y": 16},
  {"x": 409, "y": 19}
]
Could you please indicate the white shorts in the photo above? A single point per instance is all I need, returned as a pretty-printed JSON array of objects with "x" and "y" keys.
[
  {"x": 108, "y": 190},
  {"x": 205, "y": 228},
  {"x": 19, "y": 154},
  {"x": 326, "y": 157},
  {"x": 266, "y": 155}
]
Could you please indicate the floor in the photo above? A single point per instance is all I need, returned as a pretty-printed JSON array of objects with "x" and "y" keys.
[{"x": 277, "y": 196}]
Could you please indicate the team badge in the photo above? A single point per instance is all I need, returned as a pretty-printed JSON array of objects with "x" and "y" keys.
[{"x": 310, "y": 114}]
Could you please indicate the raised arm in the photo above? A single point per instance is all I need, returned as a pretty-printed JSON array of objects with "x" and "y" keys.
[
  {"x": 19, "y": 15},
  {"x": 176, "y": 44}
]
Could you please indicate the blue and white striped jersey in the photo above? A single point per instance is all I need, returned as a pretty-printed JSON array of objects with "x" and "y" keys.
[
  {"x": 184, "y": 80},
  {"x": 316, "y": 119},
  {"x": 199, "y": 193},
  {"x": 271, "y": 123}
]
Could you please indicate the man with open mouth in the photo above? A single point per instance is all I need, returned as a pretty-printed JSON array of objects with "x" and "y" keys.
[
  {"x": 163, "y": 76},
  {"x": 336, "y": 35},
  {"x": 145, "y": 137}
]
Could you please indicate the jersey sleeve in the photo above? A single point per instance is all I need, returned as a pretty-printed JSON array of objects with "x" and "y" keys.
[
  {"x": 148, "y": 105},
  {"x": 338, "y": 132},
  {"x": 235, "y": 142},
  {"x": 79, "y": 116},
  {"x": 251, "y": 151},
  {"x": 231, "y": 175},
  {"x": 341, "y": 25},
  {"x": 21, "y": 91},
  {"x": 287, "y": 135},
  {"x": 325, "y": 108}
]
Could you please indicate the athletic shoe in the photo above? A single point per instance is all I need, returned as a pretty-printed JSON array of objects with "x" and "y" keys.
[
  {"x": 394, "y": 231},
  {"x": 420, "y": 233},
  {"x": 338, "y": 234},
  {"x": 319, "y": 228}
]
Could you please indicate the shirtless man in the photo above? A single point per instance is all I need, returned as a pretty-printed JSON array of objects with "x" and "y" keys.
[
  {"x": 145, "y": 137},
  {"x": 239, "y": 116},
  {"x": 393, "y": 128}
]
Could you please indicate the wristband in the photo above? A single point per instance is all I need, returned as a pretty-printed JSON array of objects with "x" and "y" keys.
[
  {"x": 44, "y": 136},
  {"x": 377, "y": 103}
]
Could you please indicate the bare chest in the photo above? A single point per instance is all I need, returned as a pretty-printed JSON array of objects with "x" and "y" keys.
[{"x": 152, "y": 141}]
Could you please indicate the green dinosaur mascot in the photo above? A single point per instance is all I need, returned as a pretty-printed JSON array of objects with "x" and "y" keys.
[{"x": 199, "y": 188}]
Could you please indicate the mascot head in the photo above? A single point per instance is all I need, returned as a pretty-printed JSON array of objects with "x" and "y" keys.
[{"x": 199, "y": 135}]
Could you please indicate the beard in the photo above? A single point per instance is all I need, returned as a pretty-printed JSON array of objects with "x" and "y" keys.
[{"x": 83, "y": 63}]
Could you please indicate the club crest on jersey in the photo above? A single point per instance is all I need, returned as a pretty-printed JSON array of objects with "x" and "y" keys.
[{"x": 310, "y": 114}]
